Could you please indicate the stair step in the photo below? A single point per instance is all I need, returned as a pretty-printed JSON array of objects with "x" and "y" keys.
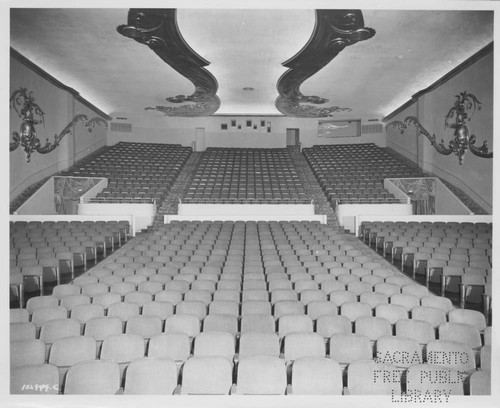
[
  {"x": 179, "y": 188},
  {"x": 312, "y": 187}
]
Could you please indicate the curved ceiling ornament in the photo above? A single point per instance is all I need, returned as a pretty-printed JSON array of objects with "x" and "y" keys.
[
  {"x": 334, "y": 30},
  {"x": 158, "y": 29}
]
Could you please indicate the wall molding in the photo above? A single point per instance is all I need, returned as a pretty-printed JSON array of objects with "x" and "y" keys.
[
  {"x": 471, "y": 199},
  {"x": 45, "y": 75},
  {"x": 402, "y": 151},
  {"x": 458, "y": 184},
  {"x": 28, "y": 186},
  {"x": 239, "y": 115},
  {"x": 82, "y": 154},
  {"x": 446, "y": 77},
  {"x": 34, "y": 179}
]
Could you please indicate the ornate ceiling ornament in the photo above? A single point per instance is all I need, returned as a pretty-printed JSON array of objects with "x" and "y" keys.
[
  {"x": 462, "y": 141},
  {"x": 334, "y": 30},
  {"x": 31, "y": 114},
  {"x": 158, "y": 29}
]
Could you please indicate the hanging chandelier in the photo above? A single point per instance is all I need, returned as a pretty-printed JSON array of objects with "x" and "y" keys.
[
  {"x": 31, "y": 115},
  {"x": 461, "y": 112}
]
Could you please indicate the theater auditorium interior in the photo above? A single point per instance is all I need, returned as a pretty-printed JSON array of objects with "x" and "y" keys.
[{"x": 251, "y": 201}]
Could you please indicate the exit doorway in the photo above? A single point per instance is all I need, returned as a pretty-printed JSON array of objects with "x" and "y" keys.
[
  {"x": 200, "y": 140},
  {"x": 292, "y": 137}
]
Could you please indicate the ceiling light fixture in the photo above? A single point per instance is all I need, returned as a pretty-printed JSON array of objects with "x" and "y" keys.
[
  {"x": 248, "y": 89},
  {"x": 462, "y": 140}
]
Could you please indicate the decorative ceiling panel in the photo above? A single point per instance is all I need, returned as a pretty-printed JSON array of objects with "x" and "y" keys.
[
  {"x": 158, "y": 29},
  {"x": 335, "y": 30},
  {"x": 246, "y": 47}
]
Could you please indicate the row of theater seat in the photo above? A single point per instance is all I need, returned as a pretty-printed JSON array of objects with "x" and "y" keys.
[
  {"x": 455, "y": 255},
  {"x": 43, "y": 252},
  {"x": 371, "y": 327},
  {"x": 136, "y": 172},
  {"x": 190, "y": 317},
  {"x": 393, "y": 355},
  {"x": 214, "y": 376},
  {"x": 296, "y": 263},
  {"x": 355, "y": 173},
  {"x": 150, "y": 324},
  {"x": 30, "y": 236},
  {"x": 245, "y": 174},
  {"x": 61, "y": 226},
  {"x": 225, "y": 271},
  {"x": 463, "y": 236}
]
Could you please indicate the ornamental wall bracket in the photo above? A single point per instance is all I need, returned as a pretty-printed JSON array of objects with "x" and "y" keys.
[
  {"x": 23, "y": 102},
  {"x": 158, "y": 29},
  {"x": 334, "y": 30},
  {"x": 466, "y": 104}
]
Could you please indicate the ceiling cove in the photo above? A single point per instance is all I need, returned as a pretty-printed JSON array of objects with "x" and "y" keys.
[
  {"x": 158, "y": 29},
  {"x": 334, "y": 30}
]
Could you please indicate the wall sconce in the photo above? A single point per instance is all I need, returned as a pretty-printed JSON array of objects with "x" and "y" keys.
[
  {"x": 31, "y": 115},
  {"x": 462, "y": 140}
]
